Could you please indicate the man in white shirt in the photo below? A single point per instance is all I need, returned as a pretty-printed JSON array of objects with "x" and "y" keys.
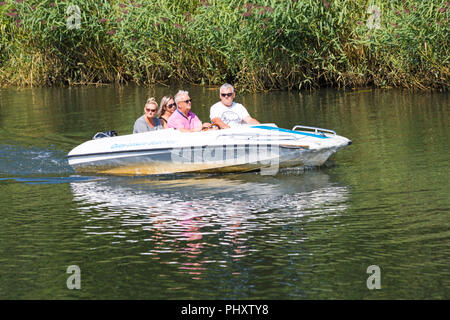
[{"x": 227, "y": 113}]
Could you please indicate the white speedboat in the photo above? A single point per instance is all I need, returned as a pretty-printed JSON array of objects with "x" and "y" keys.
[{"x": 262, "y": 147}]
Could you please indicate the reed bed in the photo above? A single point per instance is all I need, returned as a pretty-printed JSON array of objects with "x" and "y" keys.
[{"x": 257, "y": 45}]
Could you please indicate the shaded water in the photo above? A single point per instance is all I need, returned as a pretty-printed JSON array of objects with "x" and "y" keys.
[{"x": 296, "y": 235}]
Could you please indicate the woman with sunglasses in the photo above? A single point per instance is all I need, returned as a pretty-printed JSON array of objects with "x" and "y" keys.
[
  {"x": 148, "y": 121},
  {"x": 166, "y": 108}
]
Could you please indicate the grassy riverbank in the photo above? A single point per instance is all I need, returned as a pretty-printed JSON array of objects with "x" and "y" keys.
[{"x": 257, "y": 45}]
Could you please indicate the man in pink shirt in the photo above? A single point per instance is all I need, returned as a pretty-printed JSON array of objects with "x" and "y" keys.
[{"x": 183, "y": 118}]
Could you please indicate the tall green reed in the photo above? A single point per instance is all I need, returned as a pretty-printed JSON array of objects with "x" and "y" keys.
[{"x": 258, "y": 45}]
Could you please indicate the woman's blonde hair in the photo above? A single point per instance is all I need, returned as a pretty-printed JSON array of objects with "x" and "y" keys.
[
  {"x": 163, "y": 105},
  {"x": 150, "y": 101}
]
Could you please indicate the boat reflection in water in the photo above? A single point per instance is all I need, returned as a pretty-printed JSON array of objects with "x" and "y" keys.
[{"x": 199, "y": 220}]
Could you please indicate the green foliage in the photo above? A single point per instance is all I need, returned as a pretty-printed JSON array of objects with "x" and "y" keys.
[{"x": 257, "y": 45}]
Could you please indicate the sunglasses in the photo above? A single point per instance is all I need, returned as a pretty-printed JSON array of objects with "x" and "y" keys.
[
  {"x": 187, "y": 101},
  {"x": 150, "y": 110},
  {"x": 171, "y": 105},
  {"x": 226, "y": 94}
]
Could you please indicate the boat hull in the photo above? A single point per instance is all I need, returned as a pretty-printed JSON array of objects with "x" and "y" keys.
[{"x": 232, "y": 150}]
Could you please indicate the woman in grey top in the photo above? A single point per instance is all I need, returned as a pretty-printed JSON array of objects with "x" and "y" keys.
[{"x": 148, "y": 121}]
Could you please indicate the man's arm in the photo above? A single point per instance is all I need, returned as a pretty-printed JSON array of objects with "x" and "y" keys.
[
  {"x": 189, "y": 130},
  {"x": 250, "y": 120},
  {"x": 196, "y": 129},
  {"x": 220, "y": 123}
]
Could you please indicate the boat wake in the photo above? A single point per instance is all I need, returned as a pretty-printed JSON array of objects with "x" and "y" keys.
[{"x": 23, "y": 161}]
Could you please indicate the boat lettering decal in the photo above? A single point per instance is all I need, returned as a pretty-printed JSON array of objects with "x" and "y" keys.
[{"x": 140, "y": 144}]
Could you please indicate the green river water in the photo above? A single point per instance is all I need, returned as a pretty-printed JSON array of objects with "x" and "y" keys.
[{"x": 309, "y": 234}]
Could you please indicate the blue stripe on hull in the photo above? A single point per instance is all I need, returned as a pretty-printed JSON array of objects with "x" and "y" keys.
[{"x": 291, "y": 131}]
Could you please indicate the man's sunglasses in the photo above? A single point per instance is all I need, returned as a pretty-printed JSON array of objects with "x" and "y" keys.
[
  {"x": 226, "y": 94},
  {"x": 187, "y": 101}
]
